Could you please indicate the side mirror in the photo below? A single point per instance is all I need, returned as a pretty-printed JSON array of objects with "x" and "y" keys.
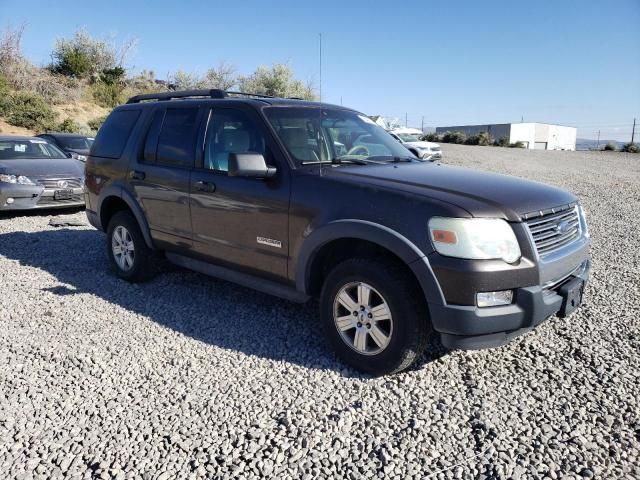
[{"x": 250, "y": 165}]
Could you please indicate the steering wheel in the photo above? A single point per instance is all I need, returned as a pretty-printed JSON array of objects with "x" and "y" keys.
[{"x": 359, "y": 150}]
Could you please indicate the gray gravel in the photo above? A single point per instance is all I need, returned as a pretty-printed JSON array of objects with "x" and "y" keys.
[{"x": 189, "y": 377}]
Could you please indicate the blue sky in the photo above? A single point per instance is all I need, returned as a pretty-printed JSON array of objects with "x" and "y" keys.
[{"x": 562, "y": 61}]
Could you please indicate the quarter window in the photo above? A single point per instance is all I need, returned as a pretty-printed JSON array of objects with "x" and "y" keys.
[
  {"x": 113, "y": 135},
  {"x": 177, "y": 139}
]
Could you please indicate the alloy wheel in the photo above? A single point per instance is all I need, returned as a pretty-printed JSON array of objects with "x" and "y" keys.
[
  {"x": 123, "y": 248},
  {"x": 363, "y": 318}
]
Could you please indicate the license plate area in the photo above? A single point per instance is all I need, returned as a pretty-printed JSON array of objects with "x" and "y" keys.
[
  {"x": 65, "y": 194},
  {"x": 571, "y": 293}
]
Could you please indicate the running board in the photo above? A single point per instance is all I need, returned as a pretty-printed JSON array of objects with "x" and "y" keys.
[{"x": 246, "y": 280}]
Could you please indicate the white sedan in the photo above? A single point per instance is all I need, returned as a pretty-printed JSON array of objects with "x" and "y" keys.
[{"x": 420, "y": 148}]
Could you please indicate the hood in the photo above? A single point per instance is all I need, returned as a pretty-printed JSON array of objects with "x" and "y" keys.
[
  {"x": 482, "y": 194},
  {"x": 423, "y": 144},
  {"x": 43, "y": 167}
]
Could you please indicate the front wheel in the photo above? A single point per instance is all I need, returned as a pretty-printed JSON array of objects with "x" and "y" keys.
[{"x": 374, "y": 315}]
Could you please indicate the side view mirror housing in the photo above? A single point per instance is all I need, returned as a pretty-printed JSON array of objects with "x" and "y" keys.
[{"x": 252, "y": 165}]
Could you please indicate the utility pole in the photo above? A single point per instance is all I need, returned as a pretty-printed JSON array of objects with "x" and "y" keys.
[
  {"x": 633, "y": 132},
  {"x": 320, "y": 34},
  {"x": 422, "y": 127},
  {"x": 406, "y": 123}
]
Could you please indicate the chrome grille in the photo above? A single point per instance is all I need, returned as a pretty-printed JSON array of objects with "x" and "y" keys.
[
  {"x": 52, "y": 183},
  {"x": 554, "y": 230}
]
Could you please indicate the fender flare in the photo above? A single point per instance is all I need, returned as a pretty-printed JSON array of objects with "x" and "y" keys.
[
  {"x": 381, "y": 235},
  {"x": 115, "y": 190}
]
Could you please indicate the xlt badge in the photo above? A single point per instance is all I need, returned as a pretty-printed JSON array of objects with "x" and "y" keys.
[{"x": 269, "y": 241}]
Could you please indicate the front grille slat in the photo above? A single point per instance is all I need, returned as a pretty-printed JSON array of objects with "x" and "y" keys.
[
  {"x": 550, "y": 218},
  {"x": 555, "y": 230},
  {"x": 52, "y": 183},
  {"x": 549, "y": 226}
]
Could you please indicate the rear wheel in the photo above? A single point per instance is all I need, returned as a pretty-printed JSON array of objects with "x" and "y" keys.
[
  {"x": 374, "y": 315},
  {"x": 128, "y": 253}
]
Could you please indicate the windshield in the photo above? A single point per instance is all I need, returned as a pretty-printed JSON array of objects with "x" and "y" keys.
[
  {"x": 408, "y": 137},
  {"x": 76, "y": 143},
  {"x": 314, "y": 135},
  {"x": 30, "y": 148}
]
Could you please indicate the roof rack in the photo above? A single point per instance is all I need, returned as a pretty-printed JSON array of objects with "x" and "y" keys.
[{"x": 211, "y": 93}]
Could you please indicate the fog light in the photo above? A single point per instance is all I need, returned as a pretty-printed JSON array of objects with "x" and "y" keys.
[
  {"x": 492, "y": 299},
  {"x": 9, "y": 201}
]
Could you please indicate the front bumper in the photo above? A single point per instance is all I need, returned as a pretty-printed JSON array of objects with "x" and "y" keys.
[
  {"x": 469, "y": 327},
  {"x": 14, "y": 196},
  {"x": 33, "y": 197}
]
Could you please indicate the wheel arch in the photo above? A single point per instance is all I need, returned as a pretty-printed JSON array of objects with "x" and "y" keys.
[
  {"x": 115, "y": 199},
  {"x": 358, "y": 236}
]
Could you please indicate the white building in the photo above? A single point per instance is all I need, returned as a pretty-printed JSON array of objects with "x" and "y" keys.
[{"x": 537, "y": 136}]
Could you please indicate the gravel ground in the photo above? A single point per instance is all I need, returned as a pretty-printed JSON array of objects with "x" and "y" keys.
[{"x": 189, "y": 377}]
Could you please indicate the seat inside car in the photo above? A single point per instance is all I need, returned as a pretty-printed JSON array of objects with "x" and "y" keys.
[
  {"x": 297, "y": 140},
  {"x": 229, "y": 141}
]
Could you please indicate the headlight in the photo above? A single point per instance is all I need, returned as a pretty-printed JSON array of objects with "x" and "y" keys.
[
  {"x": 474, "y": 238},
  {"x": 20, "y": 179}
]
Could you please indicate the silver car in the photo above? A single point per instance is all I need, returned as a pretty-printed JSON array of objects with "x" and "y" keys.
[{"x": 36, "y": 174}]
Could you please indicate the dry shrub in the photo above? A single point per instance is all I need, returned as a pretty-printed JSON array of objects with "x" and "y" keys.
[{"x": 22, "y": 75}]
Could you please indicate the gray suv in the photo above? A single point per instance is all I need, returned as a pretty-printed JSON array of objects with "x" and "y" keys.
[{"x": 285, "y": 196}]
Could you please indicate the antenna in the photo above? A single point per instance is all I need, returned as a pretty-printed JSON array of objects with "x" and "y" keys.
[{"x": 320, "y": 34}]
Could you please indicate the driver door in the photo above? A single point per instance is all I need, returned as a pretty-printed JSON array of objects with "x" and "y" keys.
[{"x": 240, "y": 221}]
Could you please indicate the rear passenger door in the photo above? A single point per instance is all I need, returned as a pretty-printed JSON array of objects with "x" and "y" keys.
[{"x": 161, "y": 175}]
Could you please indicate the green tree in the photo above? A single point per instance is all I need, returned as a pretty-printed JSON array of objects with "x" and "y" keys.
[
  {"x": 29, "y": 111},
  {"x": 223, "y": 77},
  {"x": 278, "y": 81},
  {"x": 68, "y": 125},
  {"x": 453, "y": 137},
  {"x": 630, "y": 148},
  {"x": 432, "y": 137}
]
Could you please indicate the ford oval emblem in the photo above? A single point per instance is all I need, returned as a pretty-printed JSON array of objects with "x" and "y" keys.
[
  {"x": 63, "y": 184},
  {"x": 563, "y": 227}
]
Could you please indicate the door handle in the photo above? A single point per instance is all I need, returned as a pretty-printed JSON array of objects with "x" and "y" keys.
[
  {"x": 138, "y": 175},
  {"x": 208, "y": 187}
]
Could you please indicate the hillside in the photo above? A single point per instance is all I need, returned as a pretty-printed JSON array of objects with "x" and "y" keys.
[
  {"x": 81, "y": 112},
  {"x": 87, "y": 77}
]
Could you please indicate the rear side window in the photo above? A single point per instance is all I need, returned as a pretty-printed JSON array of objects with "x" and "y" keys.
[
  {"x": 177, "y": 139},
  {"x": 114, "y": 134}
]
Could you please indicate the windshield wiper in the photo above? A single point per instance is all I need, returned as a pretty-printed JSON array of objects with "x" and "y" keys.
[
  {"x": 343, "y": 159},
  {"x": 390, "y": 159}
]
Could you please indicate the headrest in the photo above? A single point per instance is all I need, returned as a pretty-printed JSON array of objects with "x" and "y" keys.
[
  {"x": 236, "y": 140},
  {"x": 295, "y": 137}
]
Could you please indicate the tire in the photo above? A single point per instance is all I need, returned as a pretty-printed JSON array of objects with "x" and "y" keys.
[
  {"x": 139, "y": 264},
  {"x": 392, "y": 293}
]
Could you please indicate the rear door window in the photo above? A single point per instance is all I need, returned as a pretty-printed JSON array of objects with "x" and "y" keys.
[
  {"x": 177, "y": 138},
  {"x": 114, "y": 134}
]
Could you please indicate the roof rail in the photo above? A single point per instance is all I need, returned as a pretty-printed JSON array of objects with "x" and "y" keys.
[
  {"x": 211, "y": 93},
  {"x": 246, "y": 94}
]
